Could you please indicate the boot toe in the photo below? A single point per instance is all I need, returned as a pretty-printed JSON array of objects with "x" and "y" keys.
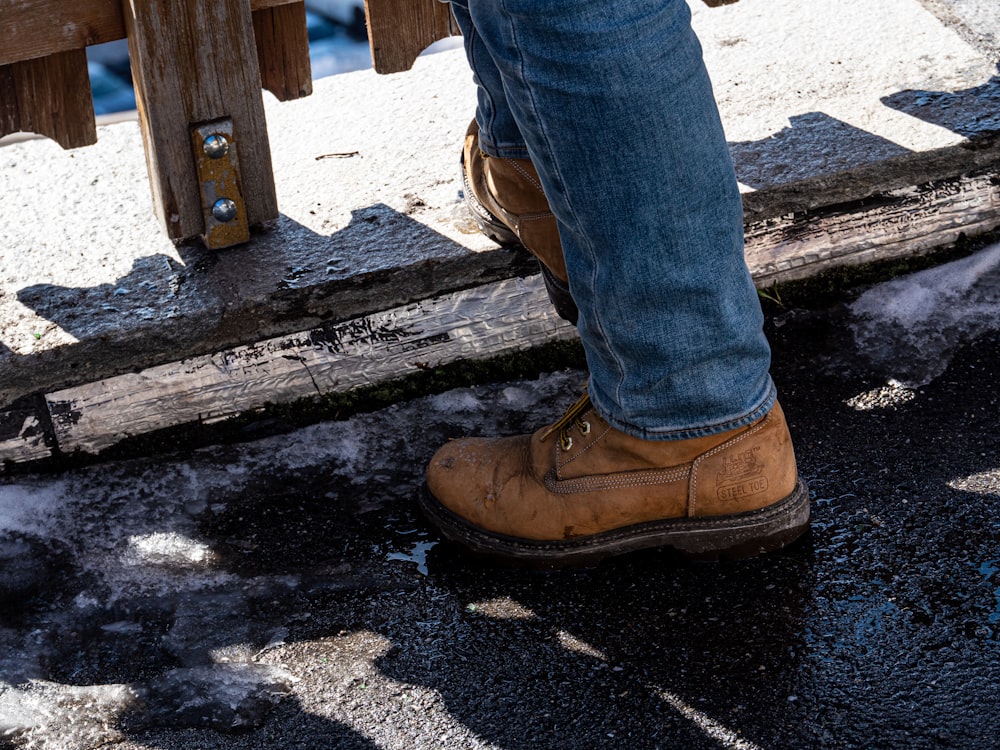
[{"x": 466, "y": 477}]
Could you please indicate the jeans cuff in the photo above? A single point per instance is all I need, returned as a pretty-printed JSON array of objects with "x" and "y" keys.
[{"x": 702, "y": 429}]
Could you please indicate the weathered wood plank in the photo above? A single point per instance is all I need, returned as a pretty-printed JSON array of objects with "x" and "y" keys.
[
  {"x": 195, "y": 61},
  {"x": 399, "y": 30},
  {"x": 22, "y": 437},
  {"x": 283, "y": 50},
  {"x": 891, "y": 224},
  {"x": 49, "y": 96},
  {"x": 505, "y": 316},
  {"x": 37, "y": 28}
]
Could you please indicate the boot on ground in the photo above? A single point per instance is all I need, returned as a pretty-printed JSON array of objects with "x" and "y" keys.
[{"x": 579, "y": 491}]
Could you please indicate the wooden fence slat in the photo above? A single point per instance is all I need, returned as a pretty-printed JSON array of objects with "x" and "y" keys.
[
  {"x": 195, "y": 61},
  {"x": 49, "y": 96},
  {"x": 399, "y": 30},
  {"x": 283, "y": 50},
  {"x": 36, "y": 28}
]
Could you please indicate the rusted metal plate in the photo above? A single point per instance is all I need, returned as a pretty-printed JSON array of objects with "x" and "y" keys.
[
  {"x": 217, "y": 162},
  {"x": 195, "y": 72}
]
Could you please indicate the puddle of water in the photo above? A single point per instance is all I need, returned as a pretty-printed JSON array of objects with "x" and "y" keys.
[{"x": 417, "y": 555}]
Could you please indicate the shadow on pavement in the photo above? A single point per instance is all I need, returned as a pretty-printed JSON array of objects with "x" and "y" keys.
[
  {"x": 813, "y": 144},
  {"x": 969, "y": 113},
  {"x": 285, "y": 280}
]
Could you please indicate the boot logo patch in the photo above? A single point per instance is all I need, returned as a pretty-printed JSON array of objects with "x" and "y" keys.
[{"x": 742, "y": 475}]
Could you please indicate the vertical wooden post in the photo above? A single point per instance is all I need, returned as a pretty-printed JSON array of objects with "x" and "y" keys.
[
  {"x": 50, "y": 96},
  {"x": 283, "y": 50},
  {"x": 194, "y": 62}
]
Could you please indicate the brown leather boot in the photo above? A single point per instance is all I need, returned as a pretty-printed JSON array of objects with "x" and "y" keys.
[
  {"x": 580, "y": 490},
  {"x": 507, "y": 202}
]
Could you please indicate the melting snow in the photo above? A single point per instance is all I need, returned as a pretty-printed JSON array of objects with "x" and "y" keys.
[
  {"x": 167, "y": 549},
  {"x": 119, "y": 556},
  {"x": 909, "y": 327}
]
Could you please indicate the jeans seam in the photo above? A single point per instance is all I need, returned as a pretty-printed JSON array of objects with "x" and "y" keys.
[{"x": 595, "y": 315}]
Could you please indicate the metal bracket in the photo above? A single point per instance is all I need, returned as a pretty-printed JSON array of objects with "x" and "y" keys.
[{"x": 218, "y": 169}]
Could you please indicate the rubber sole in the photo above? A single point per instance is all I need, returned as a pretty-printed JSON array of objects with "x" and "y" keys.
[{"x": 713, "y": 538}]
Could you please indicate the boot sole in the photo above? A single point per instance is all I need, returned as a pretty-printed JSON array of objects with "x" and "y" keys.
[{"x": 732, "y": 537}]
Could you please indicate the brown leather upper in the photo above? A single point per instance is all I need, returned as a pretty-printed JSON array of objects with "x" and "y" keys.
[
  {"x": 589, "y": 477},
  {"x": 511, "y": 191}
]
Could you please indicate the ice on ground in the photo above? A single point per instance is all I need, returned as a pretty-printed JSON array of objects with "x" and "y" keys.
[
  {"x": 29, "y": 507},
  {"x": 167, "y": 548},
  {"x": 909, "y": 327},
  {"x": 456, "y": 401},
  {"x": 224, "y": 697},
  {"x": 47, "y": 716},
  {"x": 132, "y": 608},
  {"x": 228, "y": 697}
]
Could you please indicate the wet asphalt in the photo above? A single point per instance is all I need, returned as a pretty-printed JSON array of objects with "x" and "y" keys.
[
  {"x": 879, "y": 629},
  {"x": 318, "y": 610}
]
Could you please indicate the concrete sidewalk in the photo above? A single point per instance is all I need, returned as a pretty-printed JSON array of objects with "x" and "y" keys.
[{"x": 861, "y": 131}]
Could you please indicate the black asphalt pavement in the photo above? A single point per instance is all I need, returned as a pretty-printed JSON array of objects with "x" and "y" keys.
[{"x": 285, "y": 593}]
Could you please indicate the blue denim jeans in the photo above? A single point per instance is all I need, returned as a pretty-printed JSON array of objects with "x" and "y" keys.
[{"x": 611, "y": 101}]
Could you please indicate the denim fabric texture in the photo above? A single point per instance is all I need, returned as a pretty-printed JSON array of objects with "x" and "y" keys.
[{"x": 612, "y": 102}]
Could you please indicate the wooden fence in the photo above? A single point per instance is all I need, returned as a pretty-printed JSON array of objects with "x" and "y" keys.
[{"x": 198, "y": 67}]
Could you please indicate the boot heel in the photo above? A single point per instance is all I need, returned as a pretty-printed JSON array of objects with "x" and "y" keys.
[{"x": 749, "y": 534}]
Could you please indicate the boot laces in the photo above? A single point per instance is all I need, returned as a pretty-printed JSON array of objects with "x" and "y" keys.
[{"x": 572, "y": 418}]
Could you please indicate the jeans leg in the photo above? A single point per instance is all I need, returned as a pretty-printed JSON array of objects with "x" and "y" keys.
[
  {"x": 498, "y": 132},
  {"x": 617, "y": 112}
]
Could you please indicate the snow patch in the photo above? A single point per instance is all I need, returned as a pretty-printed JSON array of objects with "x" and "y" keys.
[
  {"x": 29, "y": 507},
  {"x": 167, "y": 548},
  {"x": 910, "y": 327},
  {"x": 455, "y": 402}
]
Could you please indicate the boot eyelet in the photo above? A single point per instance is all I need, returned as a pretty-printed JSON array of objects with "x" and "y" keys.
[
  {"x": 584, "y": 428},
  {"x": 565, "y": 442}
]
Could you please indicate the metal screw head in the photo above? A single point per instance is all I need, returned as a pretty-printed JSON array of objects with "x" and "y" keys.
[
  {"x": 224, "y": 210},
  {"x": 216, "y": 146}
]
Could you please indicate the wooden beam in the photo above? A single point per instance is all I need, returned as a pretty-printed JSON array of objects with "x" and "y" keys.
[
  {"x": 37, "y": 28},
  {"x": 399, "y": 30},
  {"x": 505, "y": 316},
  {"x": 49, "y": 96},
  {"x": 897, "y": 223},
  {"x": 193, "y": 62}
]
